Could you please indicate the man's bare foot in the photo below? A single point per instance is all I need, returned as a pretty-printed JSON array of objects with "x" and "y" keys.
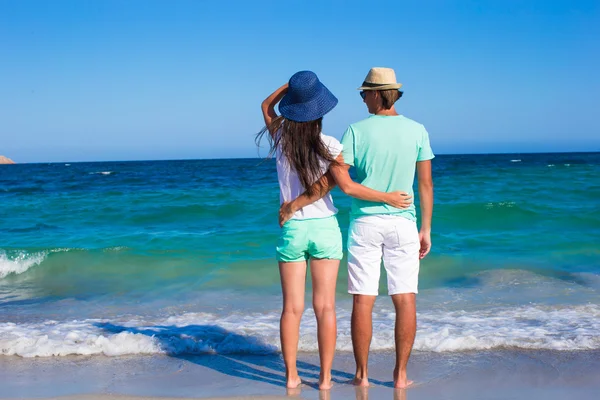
[
  {"x": 325, "y": 383},
  {"x": 402, "y": 383},
  {"x": 293, "y": 382},
  {"x": 400, "y": 380},
  {"x": 364, "y": 382}
]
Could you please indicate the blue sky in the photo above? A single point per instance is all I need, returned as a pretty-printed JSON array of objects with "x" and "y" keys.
[{"x": 127, "y": 80}]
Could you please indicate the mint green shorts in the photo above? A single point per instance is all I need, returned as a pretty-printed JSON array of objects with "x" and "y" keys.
[{"x": 310, "y": 238}]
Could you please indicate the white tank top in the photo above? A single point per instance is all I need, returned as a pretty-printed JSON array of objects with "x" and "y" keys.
[{"x": 290, "y": 186}]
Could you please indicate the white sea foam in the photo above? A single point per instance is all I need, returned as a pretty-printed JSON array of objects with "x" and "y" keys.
[
  {"x": 115, "y": 249},
  {"x": 19, "y": 262},
  {"x": 515, "y": 160},
  {"x": 77, "y": 337},
  {"x": 102, "y": 173},
  {"x": 508, "y": 204},
  {"x": 531, "y": 327}
]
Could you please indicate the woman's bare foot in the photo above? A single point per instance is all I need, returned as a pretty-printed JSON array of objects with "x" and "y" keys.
[{"x": 293, "y": 382}]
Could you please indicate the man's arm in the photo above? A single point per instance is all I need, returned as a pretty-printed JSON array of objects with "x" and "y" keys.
[
  {"x": 426, "y": 200},
  {"x": 320, "y": 188},
  {"x": 338, "y": 173}
]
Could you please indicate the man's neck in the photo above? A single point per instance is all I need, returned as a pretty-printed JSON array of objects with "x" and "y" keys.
[{"x": 390, "y": 112}]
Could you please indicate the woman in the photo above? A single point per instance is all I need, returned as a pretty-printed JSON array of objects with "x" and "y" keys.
[{"x": 304, "y": 155}]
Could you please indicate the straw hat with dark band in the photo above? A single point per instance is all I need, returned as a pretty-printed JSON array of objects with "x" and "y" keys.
[{"x": 380, "y": 79}]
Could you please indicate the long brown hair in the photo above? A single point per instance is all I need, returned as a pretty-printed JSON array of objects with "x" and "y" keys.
[{"x": 301, "y": 144}]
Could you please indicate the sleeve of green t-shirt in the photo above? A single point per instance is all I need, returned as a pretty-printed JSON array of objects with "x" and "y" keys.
[
  {"x": 348, "y": 143},
  {"x": 425, "y": 152}
]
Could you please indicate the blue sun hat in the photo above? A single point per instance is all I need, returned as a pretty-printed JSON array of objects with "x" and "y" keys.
[{"x": 307, "y": 99}]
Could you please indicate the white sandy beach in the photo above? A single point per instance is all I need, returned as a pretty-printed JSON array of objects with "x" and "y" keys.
[{"x": 513, "y": 374}]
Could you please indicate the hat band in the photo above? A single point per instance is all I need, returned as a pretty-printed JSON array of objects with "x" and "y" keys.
[{"x": 376, "y": 85}]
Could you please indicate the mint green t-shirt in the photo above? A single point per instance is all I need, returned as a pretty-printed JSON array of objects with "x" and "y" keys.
[{"x": 384, "y": 150}]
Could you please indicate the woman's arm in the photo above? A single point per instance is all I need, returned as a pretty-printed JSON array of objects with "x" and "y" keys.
[
  {"x": 268, "y": 105},
  {"x": 353, "y": 189},
  {"x": 338, "y": 173}
]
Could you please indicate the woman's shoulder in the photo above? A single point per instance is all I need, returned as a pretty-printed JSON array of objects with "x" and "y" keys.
[
  {"x": 329, "y": 140},
  {"x": 334, "y": 145}
]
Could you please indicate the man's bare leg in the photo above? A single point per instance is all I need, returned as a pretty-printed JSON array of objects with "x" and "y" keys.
[
  {"x": 362, "y": 332},
  {"x": 406, "y": 329}
]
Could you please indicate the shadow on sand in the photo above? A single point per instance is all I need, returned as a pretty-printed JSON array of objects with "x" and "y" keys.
[{"x": 227, "y": 352}]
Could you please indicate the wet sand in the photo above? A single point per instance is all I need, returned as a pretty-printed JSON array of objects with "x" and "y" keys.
[{"x": 514, "y": 374}]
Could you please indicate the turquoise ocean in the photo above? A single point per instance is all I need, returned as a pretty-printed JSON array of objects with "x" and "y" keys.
[{"x": 177, "y": 257}]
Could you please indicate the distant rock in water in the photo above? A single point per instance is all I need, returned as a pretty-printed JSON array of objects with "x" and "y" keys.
[{"x": 5, "y": 160}]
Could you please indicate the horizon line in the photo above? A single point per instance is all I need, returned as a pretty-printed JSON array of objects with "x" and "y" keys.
[{"x": 258, "y": 157}]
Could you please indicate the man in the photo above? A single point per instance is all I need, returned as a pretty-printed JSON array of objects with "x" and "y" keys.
[{"x": 385, "y": 149}]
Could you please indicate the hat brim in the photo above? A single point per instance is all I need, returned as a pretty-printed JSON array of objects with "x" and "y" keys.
[{"x": 381, "y": 87}]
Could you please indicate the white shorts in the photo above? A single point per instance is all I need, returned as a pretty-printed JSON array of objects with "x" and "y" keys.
[{"x": 391, "y": 237}]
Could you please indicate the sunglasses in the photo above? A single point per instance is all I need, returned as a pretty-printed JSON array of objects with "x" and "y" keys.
[{"x": 363, "y": 94}]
